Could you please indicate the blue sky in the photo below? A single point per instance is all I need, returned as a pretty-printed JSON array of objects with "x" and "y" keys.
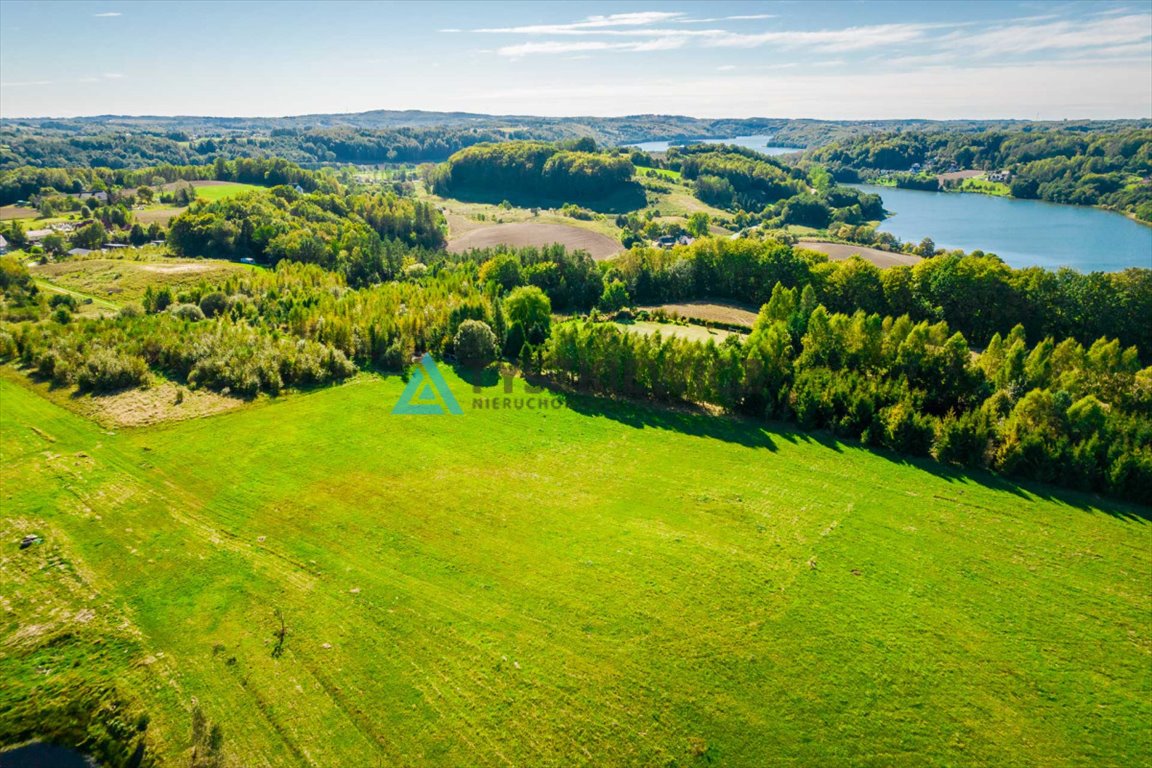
[{"x": 835, "y": 60}]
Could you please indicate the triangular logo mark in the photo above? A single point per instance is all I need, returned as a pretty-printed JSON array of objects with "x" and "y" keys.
[{"x": 427, "y": 394}]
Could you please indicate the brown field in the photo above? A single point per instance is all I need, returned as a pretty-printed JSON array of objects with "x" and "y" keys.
[
  {"x": 960, "y": 175},
  {"x": 161, "y": 215},
  {"x": 842, "y": 251},
  {"x": 729, "y": 314},
  {"x": 10, "y": 212},
  {"x": 598, "y": 246}
]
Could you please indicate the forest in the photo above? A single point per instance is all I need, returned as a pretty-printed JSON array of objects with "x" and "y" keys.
[
  {"x": 535, "y": 173},
  {"x": 1111, "y": 169},
  {"x": 772, "y": 193}
]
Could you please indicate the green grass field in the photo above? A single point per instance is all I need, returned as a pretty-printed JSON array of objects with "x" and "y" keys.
[
  {"x": 599, "y": 584},
  {"x": 219, "y": 191}
]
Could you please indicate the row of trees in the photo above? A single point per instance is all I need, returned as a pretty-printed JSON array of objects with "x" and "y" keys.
[
  {"x": 1052, "y": 412},
  {"x": 27, "y": 182},
  {"x": 976, "y": 294}
]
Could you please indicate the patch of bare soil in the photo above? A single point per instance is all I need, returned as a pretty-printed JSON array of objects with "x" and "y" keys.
[{"x": 162, "y": 402}]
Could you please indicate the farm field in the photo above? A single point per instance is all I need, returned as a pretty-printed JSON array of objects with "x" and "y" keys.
[
  {"x": 595, "y": 584},
  {"x": 529, "y": 233},
  {"x": 729, "y": 314},
  {"x": 843, "y": 251},
  {"x": 12, "y": 212}
]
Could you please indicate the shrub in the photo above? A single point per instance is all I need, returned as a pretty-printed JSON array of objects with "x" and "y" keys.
[
  {"x": 213, "y": 304},
  {"x": 187, "y": 312}
]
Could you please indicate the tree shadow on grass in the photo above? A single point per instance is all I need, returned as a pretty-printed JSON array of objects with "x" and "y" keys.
[
  {"x": 1026, "y": 490},
  {"x": 757, "y": 434},
  {"x": 686, "y": 421}
]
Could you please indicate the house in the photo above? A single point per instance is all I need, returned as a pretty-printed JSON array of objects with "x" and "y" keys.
[
  {"x": 3, "y": 245},
  {"x": 666, "y": 242},
  {"x": 35, "y": 235},
  {"x": 79, "y": 252},
  {"x": 299, "y": 189},
  {"x": 247, "y": 260},
  {"x": 685, "y": 240},
  {"x": 115, "y": 246}
]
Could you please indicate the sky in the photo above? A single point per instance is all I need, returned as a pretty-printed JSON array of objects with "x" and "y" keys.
[{"x": 830, "y": 60}]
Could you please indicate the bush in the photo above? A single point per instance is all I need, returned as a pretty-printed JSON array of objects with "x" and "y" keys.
[
  {"x": 475, "y": 344},
  {"x": 107, "y": 370},
  {"x": 213, "y": 304},
  {"x": 187, "y": 312},
  {"x": 131, "y": 310}
]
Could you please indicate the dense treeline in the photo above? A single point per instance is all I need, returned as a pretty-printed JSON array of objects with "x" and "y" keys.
[
  {"x": 26, "y": 182},
  {"x": 978, "y": 295},
  {"x": 1052, "y": 412},
  {"x": 1110, "y": 169},
  {"x": 334, "y": 145},
  {"x": 534, "y": 172},
  {"x": 363, "y": 236}
]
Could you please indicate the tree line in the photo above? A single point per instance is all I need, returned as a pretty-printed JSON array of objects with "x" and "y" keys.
[{"x": 1102, "y": 168}]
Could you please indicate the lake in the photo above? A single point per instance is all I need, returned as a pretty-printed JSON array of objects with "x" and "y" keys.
[
  {"x": 39, "y": 754},
  {"x": 1023, "y": 233},
  {"x": 760, "y": 142}
]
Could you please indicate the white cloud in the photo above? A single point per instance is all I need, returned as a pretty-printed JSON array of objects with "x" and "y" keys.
[
  {"x": 1045, "y": 91},
  {"x": 589, "y": 25},
  {"x": 583, "y": 46},
  {"x": 1055, "y": 36},
  {"x": 107, "y": 15},
  {"x": 848, "y": 39},
  {"x": 726, "y": 68}
]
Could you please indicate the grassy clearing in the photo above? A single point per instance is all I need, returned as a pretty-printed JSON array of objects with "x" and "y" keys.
[
  {"x": 985, "y": 187},
  {"x": 115, "y": 281},
  {"x": 600, "y": 584}
]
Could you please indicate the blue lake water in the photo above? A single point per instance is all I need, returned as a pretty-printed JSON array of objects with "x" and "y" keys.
[
  {"x": 1023, "y": 233},
  {"x": 760, "y": 143}
]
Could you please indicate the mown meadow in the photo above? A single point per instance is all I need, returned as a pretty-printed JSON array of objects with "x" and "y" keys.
[{"x": 603, "y": 583}]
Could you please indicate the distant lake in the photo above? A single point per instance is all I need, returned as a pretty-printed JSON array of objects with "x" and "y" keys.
[
  {"x": 1024, "y": 233},
  {"x": 760, "y": 143}
]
